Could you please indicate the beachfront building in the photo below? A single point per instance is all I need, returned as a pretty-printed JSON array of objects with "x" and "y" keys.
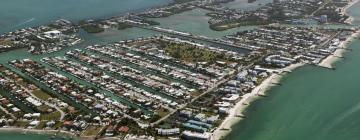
[
  {"x": 168, "y": 132},
  {"x": 188, "y": 135}
]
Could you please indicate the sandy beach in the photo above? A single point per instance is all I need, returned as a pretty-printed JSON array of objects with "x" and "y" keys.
[
  {"x": 344, "y": 11},
  {"x": 331, "y": 59},
  {"x": 246, "y": 99},
  {"x": 261, "y": 89}
]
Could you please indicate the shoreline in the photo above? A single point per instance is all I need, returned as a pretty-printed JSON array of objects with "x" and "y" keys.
[
  {"x": 96, "y": 18},
  {"x": 246, "y": 99},
  {"x": 39, "y": 132},
  {"x": 261, "y": 89},
  {"x": 339, "y": 52},
  {"x": 344, "y": 11}
]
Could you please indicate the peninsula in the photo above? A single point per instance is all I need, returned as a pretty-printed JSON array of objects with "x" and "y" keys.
[{"x": 172, "y": 85}]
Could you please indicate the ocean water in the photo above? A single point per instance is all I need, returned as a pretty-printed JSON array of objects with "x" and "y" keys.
[
  {"x": 17, "y": 14},
  {"x": 312, "y": 103},
  {"x": 244, "y": 5},
  {"x": 196, "y": 22},
  {"x": 28, "y": 136},
  {"x": 354, "y": 11}
]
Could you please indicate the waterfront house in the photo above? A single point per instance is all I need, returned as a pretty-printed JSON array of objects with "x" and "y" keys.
[
  {"x": 33, "y": 124},
  {"x": 109, "y": 131}
]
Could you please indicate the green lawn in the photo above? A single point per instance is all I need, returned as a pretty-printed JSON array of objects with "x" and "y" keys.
[
  {"x": 41, "y": 94},
  {"x": 92, "y": 130},
  {"x": 6, "y": 42},
  {"x": 162, "y": 112},
  {"x": 51, "y": 116},
  {"x": 21, "y": 123},
  {"x": 93, "y": 29},
  {"x": 192, "y": 54}
]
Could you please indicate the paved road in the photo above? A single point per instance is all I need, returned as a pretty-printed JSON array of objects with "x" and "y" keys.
[
  {"x": 215, "y": 86},
  {"x": 7, "y": 112},
  {"x": 42, "y": 101}
]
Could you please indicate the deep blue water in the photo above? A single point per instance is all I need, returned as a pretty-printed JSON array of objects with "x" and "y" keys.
[{"x": 16, "y": 14}]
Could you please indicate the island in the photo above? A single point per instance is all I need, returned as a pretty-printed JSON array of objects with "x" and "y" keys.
[{"x": 173, "y": 85}]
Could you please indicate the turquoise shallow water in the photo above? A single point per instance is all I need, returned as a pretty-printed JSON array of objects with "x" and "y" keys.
[
  {"x": 16, "y": 14},
  {"x": 244, "y": 5},
  {"x": 354, "y": 11},
  {"x": 196, "y": 22},
  {"x": 311, "y": 104}
]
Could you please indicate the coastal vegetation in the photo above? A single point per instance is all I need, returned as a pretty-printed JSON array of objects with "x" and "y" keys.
[
  {"x": 192, "y": 54},
  {"x": 51, "y": 116},
  {"x": 41, "y": 94},
  {"x": 92, "y": 130},
  {"x": 122, "y": 26},
  {"x": 331, "y": 13},
  {"x": 6, "y": 42},
  {"x": 157, "y": 86},
  {"x": 91, "y": 28},
  {"x": 249, "y": 21},
  {"x": 151, "y": 22}
]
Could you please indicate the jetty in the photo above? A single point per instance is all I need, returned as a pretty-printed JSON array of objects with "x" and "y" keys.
[
  {"x": 276, "y": 83},
  {"x": 342, "y": 57},
  {"x": 347, "y": 49},
  {"x": 287, "y": 71},
  {"x": 240, "y": 116},
  {"x": 325, "y": 67},
  {"x": 262, "y": 95}
]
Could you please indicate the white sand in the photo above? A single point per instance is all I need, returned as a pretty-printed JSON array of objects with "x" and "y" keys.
[
  {"x": 344, "y": 11},
  {"x": 265, "y": 85},
  {"x": 329, "y": 61},
  {"x": 245, "y": 101}
]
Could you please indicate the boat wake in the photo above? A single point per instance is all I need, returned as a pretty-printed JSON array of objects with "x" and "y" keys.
[{"x": 344, "y": 115}]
